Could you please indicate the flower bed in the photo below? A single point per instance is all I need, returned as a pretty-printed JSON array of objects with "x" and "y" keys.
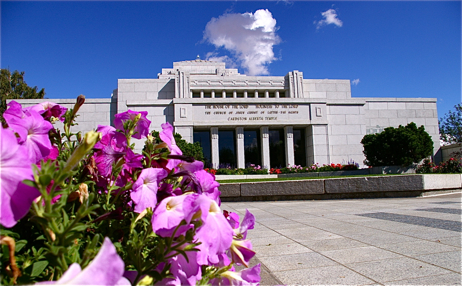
[
  {"x": 256, "y": 169},
  {"x": 453, "y": 165},
  {"x": 70, "y": 202}
]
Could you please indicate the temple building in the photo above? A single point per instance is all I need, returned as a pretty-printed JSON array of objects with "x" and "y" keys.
[{"x": 271, "y": 121}]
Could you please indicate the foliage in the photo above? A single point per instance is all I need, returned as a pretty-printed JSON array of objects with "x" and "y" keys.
[
  {"x": 91, "y": 202},
  {"x": 13, "y": 86},
  {"x": 451, "y": 125},
  {"x": 397, "y": 146},
  {"x": 453, "y": 165}
]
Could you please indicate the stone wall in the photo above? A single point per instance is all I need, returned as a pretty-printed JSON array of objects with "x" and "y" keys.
[
  {"x": 447, "y": 152},
  {"x": 95, "y": 111},
  {"x": 392, "y": 112},
  {"x": 326, "y": 88},
  {"x": 346, "y": 129}
]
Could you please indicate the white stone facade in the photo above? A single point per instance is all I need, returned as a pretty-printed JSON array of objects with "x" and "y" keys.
[{"x": 205, "y": 96}]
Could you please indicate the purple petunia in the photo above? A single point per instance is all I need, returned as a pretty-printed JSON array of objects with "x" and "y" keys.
[
  {"x": 49, "y": 109},
  {"x": 166, "y": 135},
  {"x": 15, "y": 166},
  {"x": 111, "y": 147},
  {"x": 141, "y": 127},
  {"x": 170, "y": 212},
  {"x": 106, "y": 269},
  {"x": 208, "y": 185},
  {"x": 215, "y": 235},
  {"x": 144, "y": 193},
  {"x": 246, "y": 277},
  {"x": 32, "y": 130}
]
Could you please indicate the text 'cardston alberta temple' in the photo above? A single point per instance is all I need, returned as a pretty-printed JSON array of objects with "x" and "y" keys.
[{"x": 272, "y": 121}]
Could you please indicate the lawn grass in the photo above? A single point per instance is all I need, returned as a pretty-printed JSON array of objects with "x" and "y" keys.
[{"x": 302, "y": 178}]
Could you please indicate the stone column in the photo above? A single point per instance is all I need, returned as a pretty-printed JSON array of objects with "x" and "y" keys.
[
  {"x": 289, "y": 135},
  {"x": 215, "y": 147},
  {"x": 212, "y": 93},
  {"x": 245, "y": 93},
  {"x": 276, "y": 93},
  {"x": 265, "y": 152},
  {"x": 317, "y": 145},
  {"x": 240, "y": 147}
]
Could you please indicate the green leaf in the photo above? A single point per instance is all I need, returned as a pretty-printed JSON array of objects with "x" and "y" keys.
[
  {"x": 45, "y": 180},
  {"x": 29, "y": 183},
  {"x": 79, "y": 227},
  {"x": 65, "y": 217},
  {"x": 20, "y": 244},
  {"x": 38, "y": 267}
]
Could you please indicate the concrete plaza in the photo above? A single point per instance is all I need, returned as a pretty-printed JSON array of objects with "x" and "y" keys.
[{"x": 390, "y": 241}]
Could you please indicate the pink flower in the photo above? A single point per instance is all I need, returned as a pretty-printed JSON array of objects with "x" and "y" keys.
[
  {"x": 15, "y": 166},
  {"x": 215, "y": 234},
  {"x": 14, "y": 111},
  {"x": 247, "y": 223},
  {"x": 141, "y": 127},
  {"x": 144, "y": 193},
  {"x": 49, "y": 109},
  {"x": 170, "y": 212},
  {"x": 185, "y": 272},
  {"x": 166, "y": 135},
  {"x": 109, "y": 149},
  {"x": 33, "y": 133},
  {"x": 241, "y": 249},
  {"x": 233, "y": 219},
  {"x": 241, "y": 252},
  {"x": 208, "y": 185},
  {"x": 106, "y": 269},
  {"x": 250, "y": 277}
]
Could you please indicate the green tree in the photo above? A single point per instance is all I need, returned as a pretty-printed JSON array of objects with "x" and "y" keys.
[
  {"x": 397, "y": 146},
  {"x": 13, "y": 86},
  {"x": 451, "y": 125}
]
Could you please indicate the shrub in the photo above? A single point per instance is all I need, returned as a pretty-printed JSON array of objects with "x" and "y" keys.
[{"x": 397, "y": 146}]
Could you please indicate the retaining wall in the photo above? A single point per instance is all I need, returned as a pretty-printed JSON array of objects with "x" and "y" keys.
[{"x": 357, "y": 187}]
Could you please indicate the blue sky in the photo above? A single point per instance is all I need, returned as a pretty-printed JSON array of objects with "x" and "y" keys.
[{"x": 389, "y": 49}]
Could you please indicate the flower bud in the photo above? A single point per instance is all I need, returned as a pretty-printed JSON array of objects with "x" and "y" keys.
[
  {"x": 85, "y": 146},
  {"x": 79, "y": 102}
]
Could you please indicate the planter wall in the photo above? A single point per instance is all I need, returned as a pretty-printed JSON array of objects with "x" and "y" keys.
[
  {"x": 383, "y": 186},
  {"x": 392, "y": 170}
]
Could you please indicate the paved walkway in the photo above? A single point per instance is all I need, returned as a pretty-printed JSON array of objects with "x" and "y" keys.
[{"x": 405, "y": 241}]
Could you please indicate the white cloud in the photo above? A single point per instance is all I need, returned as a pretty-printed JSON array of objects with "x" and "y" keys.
[
  {"x": 249, "y": 37},
  {"x": 213, "y": 56},
  {"x": 330, "y": 17},
  {"x": 355, "y": 81}
]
